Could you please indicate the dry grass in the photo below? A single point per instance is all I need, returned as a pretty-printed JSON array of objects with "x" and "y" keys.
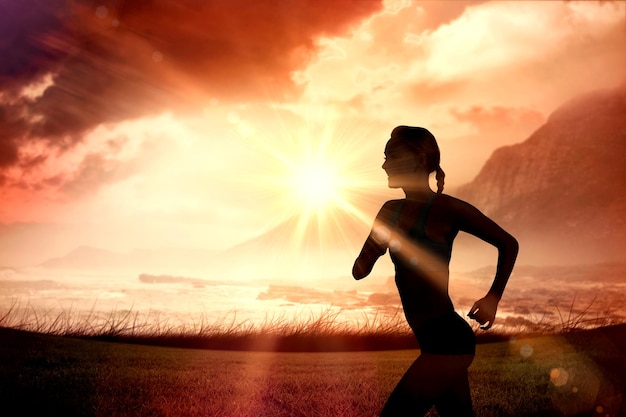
[
  {"x": 308, "y": 332},
  {"x": 325, "y": 331}
]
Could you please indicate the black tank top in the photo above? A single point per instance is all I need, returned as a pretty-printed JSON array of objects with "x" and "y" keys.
[{"x": 422, "y": 270}]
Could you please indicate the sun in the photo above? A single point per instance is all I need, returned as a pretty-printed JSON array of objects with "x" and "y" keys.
[
  {"x": 315, "y": 176},
  {"x": 316, "y": 185}
]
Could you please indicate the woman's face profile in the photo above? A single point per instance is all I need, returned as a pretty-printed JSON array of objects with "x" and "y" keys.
[{"x": 400, "y": 164}]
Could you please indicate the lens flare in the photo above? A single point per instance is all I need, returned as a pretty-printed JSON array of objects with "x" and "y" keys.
[{"x": 559, "y": 376}]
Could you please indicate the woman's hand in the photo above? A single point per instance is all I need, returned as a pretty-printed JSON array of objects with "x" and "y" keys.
[{"x": 484, "y": 311}]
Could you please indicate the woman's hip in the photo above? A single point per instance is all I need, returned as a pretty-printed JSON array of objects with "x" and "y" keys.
[{"x": 448, "y": 334}]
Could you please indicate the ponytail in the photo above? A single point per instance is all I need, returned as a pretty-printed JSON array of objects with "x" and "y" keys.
[{"x": 439, "y": 176}]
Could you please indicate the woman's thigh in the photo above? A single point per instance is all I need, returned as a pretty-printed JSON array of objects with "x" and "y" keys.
[
  {"x": 457, "y": 400},
  {"x": 432, "y": 375},
  {"x": 428, "y": 381}
]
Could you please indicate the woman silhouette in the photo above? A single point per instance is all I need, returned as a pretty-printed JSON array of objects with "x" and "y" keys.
[{"x": 419, "y": 231}]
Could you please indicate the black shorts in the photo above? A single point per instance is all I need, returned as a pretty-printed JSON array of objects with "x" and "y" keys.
[{"x": 446, "y": 335}]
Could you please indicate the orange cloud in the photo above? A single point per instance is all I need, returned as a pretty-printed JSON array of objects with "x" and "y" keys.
[
  {"x": 123, "y": 60},
  {"x": 498, "y": 117}
]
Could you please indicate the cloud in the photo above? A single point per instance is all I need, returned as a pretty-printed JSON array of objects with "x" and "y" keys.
[
  {"x": 492, "y": 53},
  {"x": 436, "y": 13},
  {"x": 31, "y": 33},
  {"x": 94, "y": 171},
  {"x": 534, "y": 42},
  {"x": 378, "y": 57},
  {"x": 8, "y": 152},
  {"x": 10, "y": 125},
  {"x": 117, "y": 60},
  {"x": 479, "y": 74},
  {"x": 498, "y": 118}
]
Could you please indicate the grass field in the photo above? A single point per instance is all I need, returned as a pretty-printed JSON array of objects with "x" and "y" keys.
[{"x": 577, "y": 374}]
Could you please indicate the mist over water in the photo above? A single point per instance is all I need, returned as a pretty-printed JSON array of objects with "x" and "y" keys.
[
  {"x": 97, "y": 297},
  {"x": 35, "y": 298}
]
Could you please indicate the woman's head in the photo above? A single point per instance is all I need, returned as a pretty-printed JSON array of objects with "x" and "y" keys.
[{"x": 413, "y": 148}]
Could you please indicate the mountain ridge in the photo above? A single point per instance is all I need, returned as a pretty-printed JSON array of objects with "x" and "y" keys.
[{"x": 562, "y": 188}]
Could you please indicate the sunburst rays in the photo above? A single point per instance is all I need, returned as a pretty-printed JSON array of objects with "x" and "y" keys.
[{"x": 318, "y": 171}]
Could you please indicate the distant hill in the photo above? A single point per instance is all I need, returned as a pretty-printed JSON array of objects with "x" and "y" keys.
[
  {"x": 319, "y": 249},
  {"x": 138, "y": 261},
  {"x": 86, "y": 257},
  {"x": 293, "y": 249},
  {"x": 25, "y": 244},
  {"x": 562, "y": 191}
]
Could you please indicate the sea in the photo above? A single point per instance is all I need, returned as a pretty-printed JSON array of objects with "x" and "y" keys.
[
  {"x": 71, "y": 301},
  {"x": 62, "y": 301}
]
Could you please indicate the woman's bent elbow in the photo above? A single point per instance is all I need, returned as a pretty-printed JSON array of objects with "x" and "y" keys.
[
  {"x": 358, "y": 272},
  {"x": 513, "y": 246}
]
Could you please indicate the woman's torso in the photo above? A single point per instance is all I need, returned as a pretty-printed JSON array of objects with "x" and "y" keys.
[{"x": 420, "y": 247}]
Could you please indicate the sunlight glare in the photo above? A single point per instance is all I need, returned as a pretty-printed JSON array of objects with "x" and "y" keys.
[
  {"x": 316, "y": 185},
  {"x": 315, "y": 172}
]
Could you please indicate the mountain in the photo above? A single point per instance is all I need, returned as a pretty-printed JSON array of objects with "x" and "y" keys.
[
  {"x": 25, "y": 244},
  {"x": 140, "y": 260},
  {"x": 320, "y": 248},
  {"x": 86, "y": 257},
  {"x": 562, "y": 191}
]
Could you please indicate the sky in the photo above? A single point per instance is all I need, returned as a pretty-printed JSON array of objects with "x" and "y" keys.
[{"x": 201, "y": 124}]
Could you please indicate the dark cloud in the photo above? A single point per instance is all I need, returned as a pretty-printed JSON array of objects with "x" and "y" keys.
[
  {"x": 114, "y": 60},
  {"x": 11, "y": 126},
  {"x": 8, "y": 152},
  {"x": 27, "y": 32}
]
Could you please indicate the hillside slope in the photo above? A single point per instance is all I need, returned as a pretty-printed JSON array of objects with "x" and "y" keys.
[{"x": 562, "y": 191}]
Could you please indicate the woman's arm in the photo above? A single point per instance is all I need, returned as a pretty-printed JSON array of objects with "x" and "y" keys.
[
  {"x": 366, "y": 259},
  {"x": 472, "y": 221},
  {"x": 375, "y": 246}
]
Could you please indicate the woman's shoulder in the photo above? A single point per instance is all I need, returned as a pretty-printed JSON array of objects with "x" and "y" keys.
[
  {"x": 454, "y": 203},
  {"x": 392, "y": 203},
  {"x": 389, "y": 207}
]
